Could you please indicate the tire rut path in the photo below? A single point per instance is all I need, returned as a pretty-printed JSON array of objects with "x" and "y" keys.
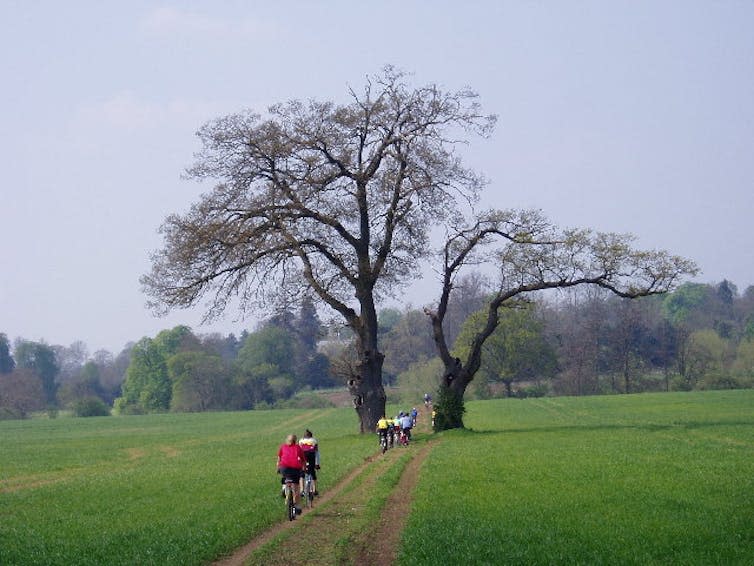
[{"x": 358, "y": 521}]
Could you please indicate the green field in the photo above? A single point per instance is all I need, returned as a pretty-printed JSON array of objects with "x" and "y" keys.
[
  {"x": 639, "y": 479},
  {"x": 159, "y": 489}
]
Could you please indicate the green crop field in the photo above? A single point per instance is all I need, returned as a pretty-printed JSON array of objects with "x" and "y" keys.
[
  {"x": 158, "y": 489},
  {"x": 639, "y": 479}
]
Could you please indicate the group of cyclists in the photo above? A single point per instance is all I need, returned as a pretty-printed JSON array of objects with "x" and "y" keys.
[
  {"x": 397, "y": 429},
  {"x": 296, "y": 458}
]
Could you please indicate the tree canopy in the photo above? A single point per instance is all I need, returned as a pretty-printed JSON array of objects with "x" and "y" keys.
[
  {"x": 517, "y": 350},
  {"x": 529, "y": 254},
  {"x": 335, "y": 198}
]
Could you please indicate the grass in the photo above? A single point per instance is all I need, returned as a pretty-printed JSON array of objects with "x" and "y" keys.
[
  {"x": 636, "y": 479},
  {"x": 646, "y": 479},
  {"x": 158, "y": 489}
]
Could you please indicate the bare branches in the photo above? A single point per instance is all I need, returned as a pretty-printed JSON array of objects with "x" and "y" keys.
[
  {"x": 339, "y": 198},
  {"x": 530, "y": 254}
]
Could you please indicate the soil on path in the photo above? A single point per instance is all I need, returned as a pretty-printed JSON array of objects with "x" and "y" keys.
[{"x": 349, "y": 524}]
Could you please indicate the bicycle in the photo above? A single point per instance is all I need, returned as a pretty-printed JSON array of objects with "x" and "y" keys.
[
  {"x": 290, "y": 506},
  {"x": 383, "y": 441},
  {"x": 308, "y": 492},
  {"x": 405, "y": 436}
]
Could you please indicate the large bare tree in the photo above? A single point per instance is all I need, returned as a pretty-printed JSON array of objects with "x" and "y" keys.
[
  {"x": 336, "y": 198},
  {"x": 530, "y": 254}
]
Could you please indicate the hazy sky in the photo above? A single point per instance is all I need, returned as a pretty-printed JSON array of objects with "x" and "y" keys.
[{"x": 622, "y": 116}]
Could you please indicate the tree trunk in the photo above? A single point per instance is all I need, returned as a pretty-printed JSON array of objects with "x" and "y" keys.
[
  {"x": 508, "y": 388},
  {"x": 366, "y": 385},
  {"x": 367, "y": 390}
]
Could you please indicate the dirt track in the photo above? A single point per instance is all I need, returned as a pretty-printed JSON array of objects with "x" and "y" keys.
[{"x": 334, "y": 531}]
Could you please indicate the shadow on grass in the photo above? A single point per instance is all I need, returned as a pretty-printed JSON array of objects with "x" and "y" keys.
[{"x": 648, "y": 427}]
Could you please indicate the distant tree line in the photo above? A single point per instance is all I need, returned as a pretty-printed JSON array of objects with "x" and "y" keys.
[
  {"x": 700, "y": 336},
  {"x": 587, "y": 342},
  {"x": 176, "y": 370}
]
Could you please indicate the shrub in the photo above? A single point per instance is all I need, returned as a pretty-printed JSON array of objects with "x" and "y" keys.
[
  {"x": 449, "y": 409},
  {"x": 532, "y": 391},
  {"x": 718, "y": 380},
  {"x": 91, "y": 407},
  {"x": 7, "y": 413}
]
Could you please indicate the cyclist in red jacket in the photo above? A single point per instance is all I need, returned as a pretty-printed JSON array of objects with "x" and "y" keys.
[{"x": 291, "y": 463}]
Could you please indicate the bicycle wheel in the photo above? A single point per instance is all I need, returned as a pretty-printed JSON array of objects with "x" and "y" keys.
[
  {"x": 309, "y": 491},
  {"x": 289, "y": 505}
]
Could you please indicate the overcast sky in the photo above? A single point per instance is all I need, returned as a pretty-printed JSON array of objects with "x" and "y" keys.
[{"x": 622, "y": 116}]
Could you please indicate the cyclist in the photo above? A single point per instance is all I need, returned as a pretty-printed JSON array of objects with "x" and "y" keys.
[
  {"x": 427, "y": 399},
  {"x": 406, "y": 424},
  {"x": 382, "y": 427},
  {"x": 390, "y": 432},
  {"x": 291, "y": 462},
  {"x": 310, "y": 446},
  {"x": 414, "y": 416}
]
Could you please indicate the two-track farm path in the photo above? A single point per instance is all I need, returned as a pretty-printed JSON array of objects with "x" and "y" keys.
[{"x": 335, "y": 530}]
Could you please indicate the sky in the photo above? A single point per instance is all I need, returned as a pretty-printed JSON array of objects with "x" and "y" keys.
[{"x": 632, "y": 117}]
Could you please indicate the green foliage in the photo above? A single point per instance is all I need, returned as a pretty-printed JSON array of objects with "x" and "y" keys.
[
  {"x": 86, "y": 385},
  {"x": 532, "y": 391},
  {"x": 91, "y": 407},
  {"x": 265, "y": 365},
  {"x": 449, "y": 409},
  {"x": 270, "y": 345},
  {"x": 281, "y": 386},
  {"x": 254, "y": 384},
  {"x": 419, "y": 379},
  {"x": 147, "y": 387},
  {"x": 40, "y": 359},
  {"x": 387, "y": 319},
  {"x": 686, "y": 300},
  {"x": 743, "y": 366},
  {"x": 480, "y": 389},
  {"x": 407, "y": 343},
  {"x": 516, "y": 351},
  {"x": 707, "y": 360},
  {"x": 7, "y": 363},
  {"x": 21, "y": 392},
  {"x": 200, "y": 382}
]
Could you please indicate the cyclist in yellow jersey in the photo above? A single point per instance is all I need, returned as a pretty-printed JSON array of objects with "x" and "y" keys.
[
  {"x": 382, "y": 426},
  {"x": 390, "y": 432}
]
